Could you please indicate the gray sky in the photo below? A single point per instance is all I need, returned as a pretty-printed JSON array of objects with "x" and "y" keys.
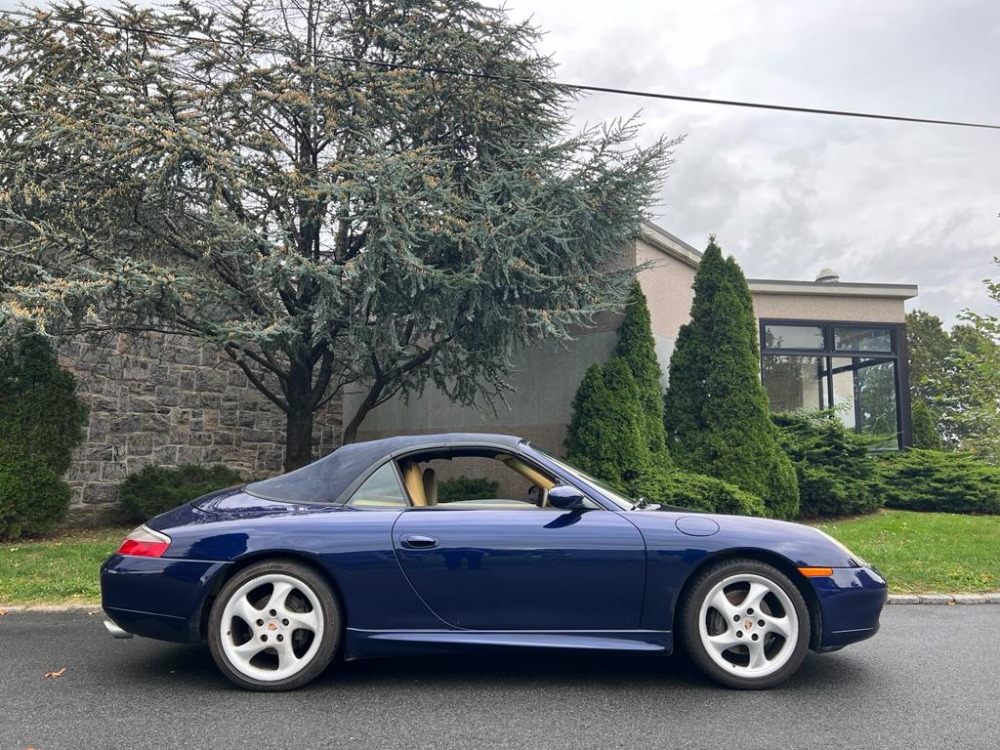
[{"x": 788, "y": 194}]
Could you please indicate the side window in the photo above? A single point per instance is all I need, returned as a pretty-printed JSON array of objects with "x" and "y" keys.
[{"x": 380, "y": 490}]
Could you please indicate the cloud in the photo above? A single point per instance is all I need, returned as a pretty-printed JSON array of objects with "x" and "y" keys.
[{"x": 788, "y": 194}]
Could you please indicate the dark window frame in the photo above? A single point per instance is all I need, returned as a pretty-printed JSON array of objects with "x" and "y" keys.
[{"x": 899, "y": 355}]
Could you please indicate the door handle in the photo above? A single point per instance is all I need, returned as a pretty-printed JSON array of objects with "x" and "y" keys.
[{"x": 419, "y": 541}]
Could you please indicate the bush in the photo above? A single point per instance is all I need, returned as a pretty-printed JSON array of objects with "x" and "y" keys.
[
  {"x": 32, "y": 497},
  {"x": 38, "y": 403},
  {"x": 924, "y": 422},
  {"x": 940, "y": 482},
  {"x": 605, "y": 432},
  {"x": 156, "y": 489},
  {"x": 637, "y": 347},
  {"x": 834, "y": 466},
  {"x": 467, "y": 488},
  {"x": 41, "y": 422},
  {"x": 716, "y": 411},
  {"x": 698, "y": 492}
]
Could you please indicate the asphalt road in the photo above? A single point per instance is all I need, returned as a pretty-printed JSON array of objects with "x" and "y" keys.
[{"x": 930, "y": 679}]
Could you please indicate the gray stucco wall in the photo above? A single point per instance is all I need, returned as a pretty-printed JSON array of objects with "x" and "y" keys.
[{"x": 538, "y": 407}]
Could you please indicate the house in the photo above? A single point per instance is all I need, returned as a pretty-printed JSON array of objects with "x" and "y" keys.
[{"x": 825, "y": 343}]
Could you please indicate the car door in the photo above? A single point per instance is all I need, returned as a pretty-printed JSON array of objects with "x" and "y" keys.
[{"x": 535, "y": 569}]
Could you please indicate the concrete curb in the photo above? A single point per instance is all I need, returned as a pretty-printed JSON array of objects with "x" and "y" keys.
[
  {"x": 945, "y": 599},
  {"x": 45, "y": 608}
]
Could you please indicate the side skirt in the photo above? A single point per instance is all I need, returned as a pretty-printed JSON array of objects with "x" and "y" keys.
[{"x": 363, "y": 644}]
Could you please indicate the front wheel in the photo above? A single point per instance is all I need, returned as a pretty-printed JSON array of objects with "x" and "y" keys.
[
  {"x": 745, "y": 624},
  {"x": 274, "y": 626}
]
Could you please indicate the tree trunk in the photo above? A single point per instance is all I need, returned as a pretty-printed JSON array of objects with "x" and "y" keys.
[
  {"x": 371, "y": 401},
  {"x": 299, "y": 420},
  {"x": 298, "y": 437}
]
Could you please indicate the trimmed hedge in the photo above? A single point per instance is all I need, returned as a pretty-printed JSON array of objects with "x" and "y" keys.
[
  {"x": 697, "y": 492},
  {"x": 940, "y": 482},
  {"x": 155, "y": 489},
  {"x": 835, "y": 469},
  {"x": 467, "y": 488}
]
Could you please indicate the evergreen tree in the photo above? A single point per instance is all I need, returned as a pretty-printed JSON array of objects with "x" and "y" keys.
[
  {"x": 41, "y": 421},
  {"x": 605, "y": 436},
  {"x": 303, "y": 185},
  {"x": 716, "y": 409},
  {"x": 637, "y": 348},
  {"x": 925, "y": 434}
]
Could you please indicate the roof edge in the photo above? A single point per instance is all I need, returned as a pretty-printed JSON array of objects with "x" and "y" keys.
[
  {"x": 672, "y": 245},
  {"x": 832, "y": 288}
]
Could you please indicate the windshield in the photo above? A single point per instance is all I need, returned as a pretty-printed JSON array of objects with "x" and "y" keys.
[{"x": 607, "y": 490}]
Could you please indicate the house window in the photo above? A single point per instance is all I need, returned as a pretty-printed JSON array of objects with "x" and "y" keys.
[{"x": 854, "y": 368}]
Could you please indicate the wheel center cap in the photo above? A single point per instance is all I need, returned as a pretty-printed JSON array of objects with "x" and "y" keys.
[
  {"x": 272, "y": 626},
  {"x": 748, "y": 624}
]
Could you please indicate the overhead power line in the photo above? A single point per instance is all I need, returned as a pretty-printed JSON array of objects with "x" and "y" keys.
[{"x": 476, "y": 75}]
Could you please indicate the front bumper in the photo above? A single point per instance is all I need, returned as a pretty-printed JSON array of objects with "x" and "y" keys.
[
  {"x": 851, "y": 602},
  {"x": 157, "y": 597}
]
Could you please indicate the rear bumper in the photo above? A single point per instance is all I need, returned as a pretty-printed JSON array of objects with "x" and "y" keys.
[
  {"x": 851, "y": 601},
  {"x": 158, "y": 598}
]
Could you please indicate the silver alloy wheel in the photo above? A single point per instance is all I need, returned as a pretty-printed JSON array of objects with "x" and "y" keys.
[
  {"x": 272, "y": 627},
  {"x": 748, "y": 625}
]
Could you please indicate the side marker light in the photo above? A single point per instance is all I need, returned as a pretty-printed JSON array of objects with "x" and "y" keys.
[{"x": 816, "y": 572}]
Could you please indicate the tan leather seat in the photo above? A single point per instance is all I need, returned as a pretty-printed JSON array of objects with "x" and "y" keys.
[
  {"x": 430, "y": 483},
  {"x": 414, "y": 483}
]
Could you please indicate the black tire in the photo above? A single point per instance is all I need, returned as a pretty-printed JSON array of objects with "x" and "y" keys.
[
  {"x": 275, "y": 625},
  {"x": 744, "y": 624}
]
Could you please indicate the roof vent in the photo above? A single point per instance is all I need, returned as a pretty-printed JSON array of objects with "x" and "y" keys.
[{"x": 827, "y": 276}]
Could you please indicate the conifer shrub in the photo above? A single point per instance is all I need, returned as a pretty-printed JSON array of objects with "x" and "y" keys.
[
  {"x": 637, "y": 348},
  {"x": 938, "y": 481},
  {"x": 156, "y": 489},
  {"x": 605, "y": 436},
  {"x": 33, "y": 498},
  {"x": 716, "y": 410},
  {"x": 41, "y": 422},
  {"x": 834, "y": 466},
  {"x": 924, "y": 422},
  {"x": 606, "y": 439}
]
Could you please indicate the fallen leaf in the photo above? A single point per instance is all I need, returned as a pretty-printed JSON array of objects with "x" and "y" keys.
[
  {"x": 56, "y": 674},
  {"x": 3, "y": 612}
]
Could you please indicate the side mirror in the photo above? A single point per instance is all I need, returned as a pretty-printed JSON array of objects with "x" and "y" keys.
[{"x": 565, "y": 497}]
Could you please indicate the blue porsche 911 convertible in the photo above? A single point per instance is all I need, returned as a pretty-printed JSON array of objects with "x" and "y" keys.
[{"x": 393, "y": 547}]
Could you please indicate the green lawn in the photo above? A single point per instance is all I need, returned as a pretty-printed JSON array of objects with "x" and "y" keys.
[
  {"x": 922, "y": 553},
  {"x": 57, "y": 571},
  {"x": 917, "y": 552}
]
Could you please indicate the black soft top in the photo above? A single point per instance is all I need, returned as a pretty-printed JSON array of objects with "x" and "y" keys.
[{"x": 327, "y": 479}]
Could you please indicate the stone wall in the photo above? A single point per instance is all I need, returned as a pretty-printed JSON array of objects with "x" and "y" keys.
[{"x": 165, "y": 401}]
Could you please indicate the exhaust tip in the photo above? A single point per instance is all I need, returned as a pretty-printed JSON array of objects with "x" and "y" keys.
[{"x": 116, "y": 632}]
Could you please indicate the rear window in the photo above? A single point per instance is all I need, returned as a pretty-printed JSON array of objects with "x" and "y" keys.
[{"x": 323, "y": 481}]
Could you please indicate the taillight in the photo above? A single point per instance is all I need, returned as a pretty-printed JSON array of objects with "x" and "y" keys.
[{"x": 142, "y": 541}]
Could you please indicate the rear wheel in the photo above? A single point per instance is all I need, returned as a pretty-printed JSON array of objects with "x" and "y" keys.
[
  {"x": 274, "y": 626},
  {"x": 745, "y": 624}
]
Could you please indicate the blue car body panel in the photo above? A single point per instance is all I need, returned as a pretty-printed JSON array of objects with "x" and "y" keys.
[{"x": 423, "y": 579}]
